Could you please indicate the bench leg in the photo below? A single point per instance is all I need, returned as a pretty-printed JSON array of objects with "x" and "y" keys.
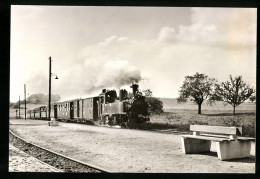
[
  {"x": 233, "y": 149},
  {"x": 192, "y": 146}
]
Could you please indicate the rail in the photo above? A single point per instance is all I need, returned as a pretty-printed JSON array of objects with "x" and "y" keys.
[{"x": 102, "y": 170}]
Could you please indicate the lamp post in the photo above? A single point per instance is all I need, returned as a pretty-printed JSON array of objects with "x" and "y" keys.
[
  {"x": 24, "y": 102},
  {"x": 19, "y": 106},
  {"x": 50, "y": 74}
]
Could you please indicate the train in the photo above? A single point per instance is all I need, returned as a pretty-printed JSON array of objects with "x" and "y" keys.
[{"x": 107, "y": 108}]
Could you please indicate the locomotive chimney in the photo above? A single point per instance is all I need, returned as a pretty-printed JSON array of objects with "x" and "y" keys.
[
  {"x": 120, "y": 95},
  {"x": 104, "y": 90},
  {"x": 135, "y": 88}
]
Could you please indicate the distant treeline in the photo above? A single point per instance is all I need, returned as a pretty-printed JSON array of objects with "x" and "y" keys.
[{"x": 36, "y": 99}]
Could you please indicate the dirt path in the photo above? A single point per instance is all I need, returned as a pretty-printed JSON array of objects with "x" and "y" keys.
[{"x": 125, "y": 150}]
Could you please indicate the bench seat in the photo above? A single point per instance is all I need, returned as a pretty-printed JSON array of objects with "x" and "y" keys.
[
  {"x": 224, "y": 136},
  {"x": 211, "y": 138},
  {"x": 228, "y": 144}
]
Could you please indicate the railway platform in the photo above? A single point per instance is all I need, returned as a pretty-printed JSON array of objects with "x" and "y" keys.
[
  {"x": 19, "y": 161},
  {"x": 126, "y": 150}
]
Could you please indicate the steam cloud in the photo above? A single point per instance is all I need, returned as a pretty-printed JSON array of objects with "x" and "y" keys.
[
  {"x": 97, "y": 66},
  {"x": 111, "y": 74},
  {"x": 88, "y": 79}
]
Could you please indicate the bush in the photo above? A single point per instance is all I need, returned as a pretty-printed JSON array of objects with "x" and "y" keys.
[
  {"x": 155, "y": 105},
  {"x": 16, "y": 105}
]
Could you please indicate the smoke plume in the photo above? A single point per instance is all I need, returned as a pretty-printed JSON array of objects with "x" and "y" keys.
[{"x": 89, "y": 78}]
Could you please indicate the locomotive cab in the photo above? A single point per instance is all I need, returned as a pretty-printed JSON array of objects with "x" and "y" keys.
[{"x": 111, "y": 109}]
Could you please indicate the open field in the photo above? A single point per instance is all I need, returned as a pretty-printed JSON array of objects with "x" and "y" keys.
[
  {"x": 181, "y": 116},
  {"x": 182, "y": 119},
  {"x": 171, "y": 103}
]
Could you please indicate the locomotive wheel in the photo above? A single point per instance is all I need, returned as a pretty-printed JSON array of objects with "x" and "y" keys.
[{"x": 124, "y": 124}]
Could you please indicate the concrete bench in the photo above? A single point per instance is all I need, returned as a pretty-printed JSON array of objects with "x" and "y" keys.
[
  {"x": 228, "y": 144},
  {"x": 53, "y": 122}
]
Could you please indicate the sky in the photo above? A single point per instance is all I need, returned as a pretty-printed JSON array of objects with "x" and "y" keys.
[{"x": 109, "y": 47}]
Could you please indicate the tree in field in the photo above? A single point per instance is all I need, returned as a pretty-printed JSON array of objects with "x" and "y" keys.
[
  {"x": 252, "y": 98},
  {"x": 42, "y": 98},
  {"x": 197, "y": 88},
  {"x": 234, "y": 92},
  {"x": 155, "y": 104},
  {"x": 16, "y": 104}
]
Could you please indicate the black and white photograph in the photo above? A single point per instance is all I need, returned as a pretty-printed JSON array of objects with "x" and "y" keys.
[{"x": 132, "y": 89}]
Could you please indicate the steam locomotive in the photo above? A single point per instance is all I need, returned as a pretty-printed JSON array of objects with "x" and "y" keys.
[{"x": 105, "y": 109}]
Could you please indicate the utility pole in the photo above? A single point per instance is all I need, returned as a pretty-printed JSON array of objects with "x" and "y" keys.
[
  {"x": 19, "y": 106},
  {"x": 49, "y": 114},
  {"x": 24, "y": 102}
]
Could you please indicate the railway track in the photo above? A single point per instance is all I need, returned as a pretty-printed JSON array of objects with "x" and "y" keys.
[{"x": 52, "y": 158}]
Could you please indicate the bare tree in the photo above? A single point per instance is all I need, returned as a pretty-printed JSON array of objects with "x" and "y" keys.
[
  {"x": 148, "y": 93},
  {"x": 197, "y": 88},
  {"x": 234, "y": 92}
]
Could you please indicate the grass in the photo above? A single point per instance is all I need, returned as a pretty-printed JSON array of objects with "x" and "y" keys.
[{"x": 181, "y": 116}]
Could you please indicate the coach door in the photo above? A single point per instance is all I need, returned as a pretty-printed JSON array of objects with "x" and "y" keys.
[
  {"x": 40, "y": 110},
  {"x": 71, "y": 110},
  {"x": 77, "y": 108},
  {"x": 95, "y": 108},
  {"x": 55, "y": 112}
]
